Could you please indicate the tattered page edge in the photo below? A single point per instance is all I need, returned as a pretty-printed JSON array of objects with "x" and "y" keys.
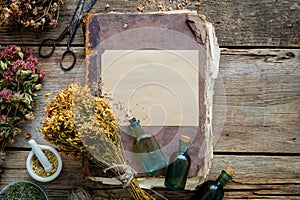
[{"x": 204, "y": 31}]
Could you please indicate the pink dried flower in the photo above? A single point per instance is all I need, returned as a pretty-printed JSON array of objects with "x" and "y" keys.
[
  {"x": 41, "y": 74},
  {"x": 17, "y": 65},
  {"x": 8, "y": 76},
  {"x": 53, "y": 23},
  {"x": 32, "y": 59},
  {"x": 27, "y": 52},
  {"x": 11, "y": 52},
  {"x": 29, "y": 66},
  {"x": 5, "y": 94},
  {"x": 3, "y": 118}
]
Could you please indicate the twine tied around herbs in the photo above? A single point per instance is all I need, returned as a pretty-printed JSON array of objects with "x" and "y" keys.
[
  {"x": 79, "y": 193},
  {"x": 127, "y": 176}
]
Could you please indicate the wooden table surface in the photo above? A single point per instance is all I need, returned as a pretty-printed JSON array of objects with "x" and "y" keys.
[{"x": 259, "y": 72}]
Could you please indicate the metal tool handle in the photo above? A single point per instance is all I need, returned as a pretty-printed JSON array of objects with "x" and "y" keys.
[
  {"x": 47, "y": 43},
  {"x": 70, "y": 52}
]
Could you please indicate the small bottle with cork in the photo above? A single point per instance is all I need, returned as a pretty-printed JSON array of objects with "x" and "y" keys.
[
  {"x": 147, "y": 149},
  {"x": 213, "y": 190},
  {"x": 179, "y": 166}
]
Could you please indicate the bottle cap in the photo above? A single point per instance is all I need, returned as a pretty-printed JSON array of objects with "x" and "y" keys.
[
  {"x": 185, "y": 138},
  {"x": 134, "y": 121},
  {"x": 229, "y": 171}
]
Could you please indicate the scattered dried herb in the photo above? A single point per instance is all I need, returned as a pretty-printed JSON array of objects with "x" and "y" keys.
[
  {"x": 23, "y": 190},
  {"x": 36, "y": 14},
  {"x": 37, "y": 167},
  {"x": 20, "y": 78},
  {"x": 158, "y": 5},
  {"x": 84, "y": 126}
]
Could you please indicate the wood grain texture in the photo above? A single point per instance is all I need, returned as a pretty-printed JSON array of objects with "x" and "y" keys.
[
  {"x": 256, "y": 109},
  {"x": 262, "y": 89},
  {"x": 255, "y": 177},
  {"x": 238, "y": 23}
]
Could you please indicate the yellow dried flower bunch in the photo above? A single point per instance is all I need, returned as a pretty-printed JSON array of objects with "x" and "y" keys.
[
  {"x": 107, "y": 120},
  {"x": 84, "y": 126},
  {"x": 59, "y": 126}
]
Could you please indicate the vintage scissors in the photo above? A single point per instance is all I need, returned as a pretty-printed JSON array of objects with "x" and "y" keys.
[{"x": 69, "y": 30}]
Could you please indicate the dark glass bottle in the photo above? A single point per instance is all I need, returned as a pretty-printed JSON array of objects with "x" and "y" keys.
[
  {"x": 147, "y": 149},
  {"x": 179, "y": 166},
  {"x": 213, "y": 190}
]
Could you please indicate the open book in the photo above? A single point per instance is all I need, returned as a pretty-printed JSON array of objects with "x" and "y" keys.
[{"x": 162, "y": 67}]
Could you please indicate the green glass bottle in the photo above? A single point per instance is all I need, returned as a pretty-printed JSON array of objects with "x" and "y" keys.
[
  {"x": 147, "y": 149},
  {"x": 179, "y": 166},
  {"x": 213, "y": 190}
]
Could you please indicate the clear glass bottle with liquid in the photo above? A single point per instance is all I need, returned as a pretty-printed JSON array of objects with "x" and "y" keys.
[
  {"x": 213, "y": 189},
  {"x": 147, "y": 149},
  {"x": 179, "y": 166}
]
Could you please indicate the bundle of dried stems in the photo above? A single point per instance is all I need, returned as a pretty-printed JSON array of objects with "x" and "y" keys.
[{"x": 84, "y": 125}]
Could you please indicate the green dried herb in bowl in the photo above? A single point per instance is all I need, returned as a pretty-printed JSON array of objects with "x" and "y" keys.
[{"x": 23, "y": 190}]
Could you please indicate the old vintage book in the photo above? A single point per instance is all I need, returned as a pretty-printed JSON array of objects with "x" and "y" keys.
[{"x": 161, "y": 69}]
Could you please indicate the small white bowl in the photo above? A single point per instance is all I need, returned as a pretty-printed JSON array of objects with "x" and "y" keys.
[{"x": 37, "y": 177}]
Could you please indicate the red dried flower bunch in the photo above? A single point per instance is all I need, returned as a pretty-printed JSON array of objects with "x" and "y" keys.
[
  {"x": 36, "y": 14},
  {"x": 20, "y": 78}
]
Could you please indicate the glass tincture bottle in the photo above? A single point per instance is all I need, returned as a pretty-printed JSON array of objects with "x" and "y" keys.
[
  {"x": 213, "y": 190},
  {"x": 179, "y": 166},
  {"x": 147, "y": 149}
]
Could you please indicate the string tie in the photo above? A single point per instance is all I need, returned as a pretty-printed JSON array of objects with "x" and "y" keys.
[{"x": 126, "y": 173}]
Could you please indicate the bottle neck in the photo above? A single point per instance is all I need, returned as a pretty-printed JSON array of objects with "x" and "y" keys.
[
  {"x": 224, "y": 178},
  {"x": 183, "y": 146},
  {"x": 136, "y": 127}
]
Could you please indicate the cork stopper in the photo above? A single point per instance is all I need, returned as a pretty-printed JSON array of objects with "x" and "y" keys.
[
  {"x": 185, "y": 138},
  {"x": 229, "y": 171}
]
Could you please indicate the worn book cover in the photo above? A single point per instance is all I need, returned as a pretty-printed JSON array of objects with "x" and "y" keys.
[{"x": 161, "y": 69}]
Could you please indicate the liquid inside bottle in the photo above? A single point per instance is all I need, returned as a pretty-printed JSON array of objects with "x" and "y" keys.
[
  {"x": 213, "y": 190},
  {"x": 179, "y": 165},
  {"x": 147, "y": 149}
]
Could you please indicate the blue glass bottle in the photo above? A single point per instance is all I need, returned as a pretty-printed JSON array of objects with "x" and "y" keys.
[
  {"x": 213, "y": 190},
  {"x": 147, "y": 149},
  {"x": 179, "y": 166}
]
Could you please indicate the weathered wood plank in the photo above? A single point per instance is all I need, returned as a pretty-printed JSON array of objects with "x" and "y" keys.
[
  {"x": 262, "y": 89},
  {"x": 255, "y": 177},
  {"x": 271, "y": 169},
  {"x": 238, "y": 23},
  {"x": 254, "y": 23},
  {"x": 253, "y": 170}
]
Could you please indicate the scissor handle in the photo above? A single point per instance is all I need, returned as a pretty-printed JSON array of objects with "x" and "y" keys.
[
  {"x": 71, "y": 53},
  {"x": 50, "y": 43}
]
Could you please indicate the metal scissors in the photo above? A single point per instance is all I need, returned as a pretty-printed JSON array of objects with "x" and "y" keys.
[{"x": 69, "y": 30}]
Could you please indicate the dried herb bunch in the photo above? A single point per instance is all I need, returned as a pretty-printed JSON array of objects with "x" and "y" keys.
[
  {"x": 36, "y": 14},
  {"x": 85, "y": 126},
  {"x": 20, "y": 78},
  {"x": 59, "y": 127}
]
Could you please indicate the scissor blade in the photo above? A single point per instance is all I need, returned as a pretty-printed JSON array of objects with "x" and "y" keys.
[
  {"x": 76, "y": 17},
  {"x": 88, "y": 7}
]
